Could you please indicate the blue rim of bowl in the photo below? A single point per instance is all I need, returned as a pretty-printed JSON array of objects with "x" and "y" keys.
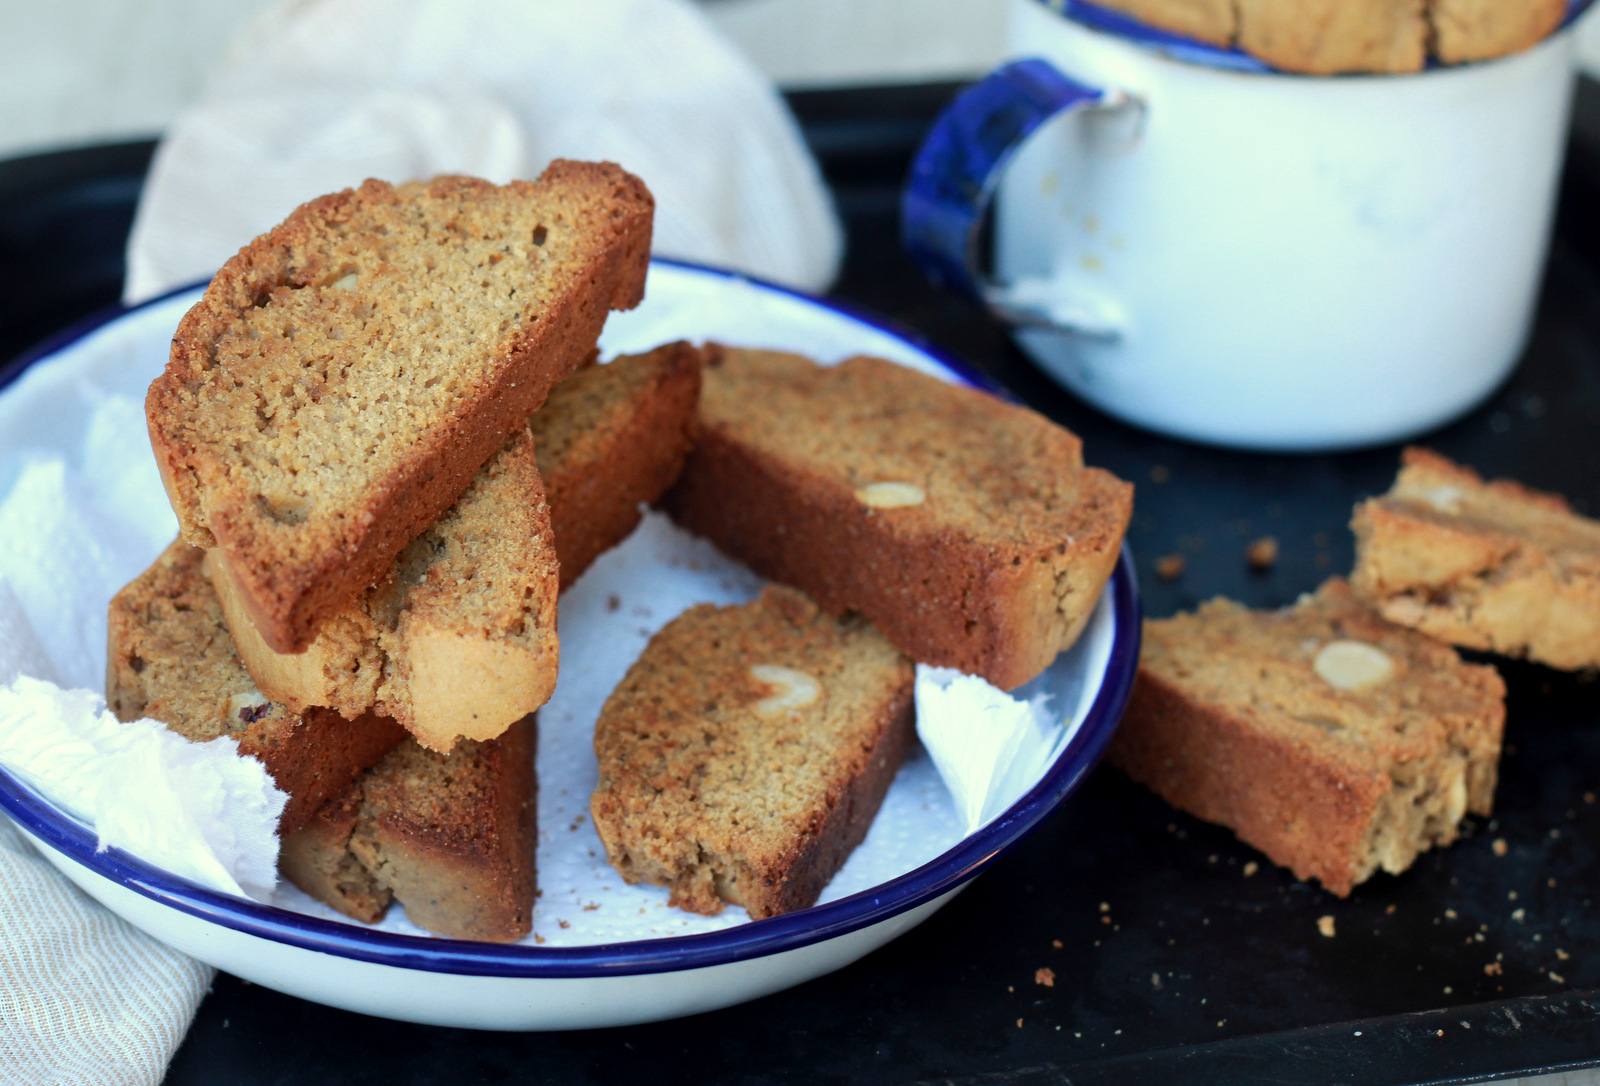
[
  {"x": 759, "y": 938},
  {"x": 1097, "y": 16}
]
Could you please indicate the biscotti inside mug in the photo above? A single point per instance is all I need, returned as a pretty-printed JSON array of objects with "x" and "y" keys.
[{"x": 1197, "y": 236}]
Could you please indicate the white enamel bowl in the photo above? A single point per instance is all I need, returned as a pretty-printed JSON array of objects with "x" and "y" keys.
[{"x": 489, "y": 986}]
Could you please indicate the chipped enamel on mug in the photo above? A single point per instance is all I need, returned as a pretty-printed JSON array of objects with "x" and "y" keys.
[{"x": 1247, "y": 258}]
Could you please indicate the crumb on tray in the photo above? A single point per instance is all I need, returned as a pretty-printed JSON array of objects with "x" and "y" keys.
[{"x": 1262, "y": 554}]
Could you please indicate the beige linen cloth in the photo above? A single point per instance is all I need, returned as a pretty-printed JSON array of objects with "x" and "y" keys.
[{"x": 316, "y": 95}]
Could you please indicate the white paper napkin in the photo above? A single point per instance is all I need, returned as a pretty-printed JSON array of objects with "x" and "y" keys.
[{"x": 316, "y": 96}]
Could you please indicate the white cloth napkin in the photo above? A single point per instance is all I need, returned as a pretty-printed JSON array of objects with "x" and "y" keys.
[
  {"x": 84, "y": 997},
  {"x": 317, "y": 95}
]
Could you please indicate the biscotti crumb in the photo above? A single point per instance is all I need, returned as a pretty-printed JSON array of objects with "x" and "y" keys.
[
  {"x": 1499, "y": 847},
  {"x": 1169, "y": 567},
  {"x": 1325, "y": 926},
  {"x": 1045, "y": 977},
  {"x": 1262, "y": 554},
  {"x": 1250, "y": 868}
]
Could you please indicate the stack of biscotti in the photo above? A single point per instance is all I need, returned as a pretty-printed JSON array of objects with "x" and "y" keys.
[
  {"x": 364, "y": 367},
  {"x": 346, "y": 431},
  {"x": 1324, "y": 37},
  {"x": 460, "y": 640},
  {"x": 418, "y": 821},
  {"x": 447, "y": 835}
]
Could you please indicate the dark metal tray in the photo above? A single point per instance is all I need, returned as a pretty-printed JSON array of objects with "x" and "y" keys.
[{"x": 1170, "y": 962}]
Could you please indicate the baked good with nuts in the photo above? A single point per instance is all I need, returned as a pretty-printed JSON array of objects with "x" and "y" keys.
[
  {"x": 1331, "y": 740},
  {"x": 346, "y": 374},
  {"x": 746, "y": 752},
  {"x": 459, "y": 640},
  {"x": 966, "y": 529},
  {"x": 1495, "y": 566},
  {"x": 1326, "y": 37},
  {"x": 612, "y": 437},
  {"x": 168, "y": 657},
  {"x": 450, "y": 838}
]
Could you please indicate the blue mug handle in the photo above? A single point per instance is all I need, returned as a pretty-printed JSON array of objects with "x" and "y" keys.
[{"x": 954, "y": 176}]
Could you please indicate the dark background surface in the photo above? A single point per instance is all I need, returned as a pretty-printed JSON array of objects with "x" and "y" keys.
[{"x": 1169, "y": 960}]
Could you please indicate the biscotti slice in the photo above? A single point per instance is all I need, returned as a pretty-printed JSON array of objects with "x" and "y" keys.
[
  {"x": 346, "y": 374},
  {"x": 1485, "y": 565},
  {"x": 1324, "y": 37},
  {"x": 1331, "y": 740},
  {"x": 611, "y": 437},
  {"x": 169, "y": 658},
  {"x": 451, "y": 838},
  {"x": 1465, "y": 30},
  {"x": 459, "y": 640},
  {"x": 966, "y": 529},
  {"x": 1213, "y": 21},
  {"x": 747, "y": 750}
]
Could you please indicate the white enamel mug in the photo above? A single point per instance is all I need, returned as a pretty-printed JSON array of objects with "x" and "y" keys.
[{"x": 1246, "y": 257}]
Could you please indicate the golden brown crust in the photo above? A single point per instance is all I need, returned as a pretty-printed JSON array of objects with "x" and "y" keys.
[
  {"x": 1233, "y": 720},
  {"x": 312, "y": 497},
  {"x": 611, "y": 438},
  {"x": 995, "y": 564},
  {"x": 169, "y": 657},
  {"x": 717, "y": 785},
  {"x": 1487, "y": 565}
]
